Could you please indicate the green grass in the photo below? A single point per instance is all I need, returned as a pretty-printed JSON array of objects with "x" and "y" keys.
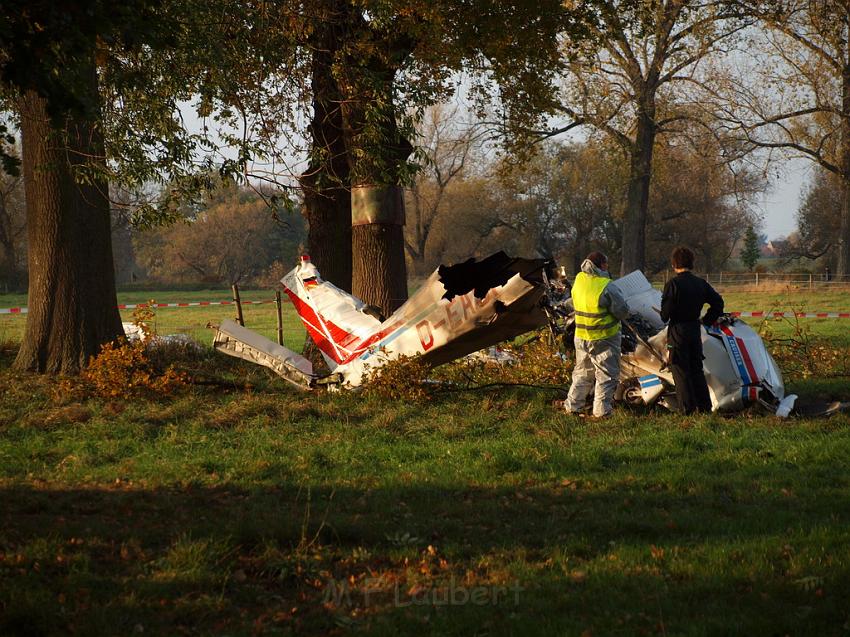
[
  {"x": 187, "y": 320},
  {"x": 787, "y": 298},
  {"x": 262, "y": 319},
  {"x": 268, "y": 511},
  {"x": 275, "y": 512}
]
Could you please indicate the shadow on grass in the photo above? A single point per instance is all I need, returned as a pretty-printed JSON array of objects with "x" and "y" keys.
[{"x": 206, "y": 560}]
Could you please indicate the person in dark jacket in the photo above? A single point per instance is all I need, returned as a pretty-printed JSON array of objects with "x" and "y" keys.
[{"x": 681, "y": 304}]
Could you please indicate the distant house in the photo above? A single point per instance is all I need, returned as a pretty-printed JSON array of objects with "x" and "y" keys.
[{"x": 774, "y": 248}]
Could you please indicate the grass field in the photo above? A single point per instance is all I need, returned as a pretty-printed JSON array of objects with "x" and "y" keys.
[
  {"x": 187, "y": 320},
  {"x": 225, "y": 511},
  {"x": 261, "y": 318}
]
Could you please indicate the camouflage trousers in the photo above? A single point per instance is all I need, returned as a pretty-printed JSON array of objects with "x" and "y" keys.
[{"x": 598, "y": 370}]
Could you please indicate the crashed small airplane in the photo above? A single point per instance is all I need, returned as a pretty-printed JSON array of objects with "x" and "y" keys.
[
  {"x": 738, "y": 367},
  {"x": 464, "y": 308},
  {"x": 459, "y": 310}
]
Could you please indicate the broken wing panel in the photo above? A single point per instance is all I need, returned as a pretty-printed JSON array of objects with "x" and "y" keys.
[
  {"x": 641, "y": 298},
  {"x": 240, "y": 342},
  {"x": 441, "y": 323}
]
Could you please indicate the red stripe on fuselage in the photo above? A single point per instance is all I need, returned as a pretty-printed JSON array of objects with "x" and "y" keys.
[
  {"x": 313, "y": 321},
  {"x": 367, "y": 343},
  {"x": 745, "y": 354},
  {"x": 748, "y": 363},
  {"x": 342, "y": 339}
]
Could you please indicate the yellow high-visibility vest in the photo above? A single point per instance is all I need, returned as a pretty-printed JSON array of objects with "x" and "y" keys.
[{"x": 592, "y": 322}]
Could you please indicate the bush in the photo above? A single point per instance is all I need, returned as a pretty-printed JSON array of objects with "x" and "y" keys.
[
  {"x": 403, "y": 378},
  {"x": 802, "y": 355},
  {"x": 536, "y": 363},
  {"x": 123, "y": 368}
]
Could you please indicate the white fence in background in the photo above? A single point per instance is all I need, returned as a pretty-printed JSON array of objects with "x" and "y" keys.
[{"x": 792, "y": 280}]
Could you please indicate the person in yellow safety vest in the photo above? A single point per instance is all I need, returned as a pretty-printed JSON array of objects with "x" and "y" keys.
[{"x": 599, "y": 307}]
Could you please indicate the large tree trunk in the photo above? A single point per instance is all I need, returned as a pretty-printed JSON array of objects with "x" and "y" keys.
[
  {"x": 843, "y": 268},
  {"x": 326, "y": 184},
  {"x": 637, "y": 197},
  {"x": 379, "y": 272},
  {"x": 72, "y": 301},
  {"x": 379, "y": 269},
  {"x": 329, "y": 235}
]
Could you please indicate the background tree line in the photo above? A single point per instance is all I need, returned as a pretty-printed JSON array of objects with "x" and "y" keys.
[
  {"x": 562, "y": 202},
  {"x": 566, "y": 199},
  {"x": 320, "y": 104},
  {"x": 466, "y": 201}
]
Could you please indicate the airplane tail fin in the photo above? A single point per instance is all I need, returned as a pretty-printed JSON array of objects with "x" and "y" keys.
[{"x": 334, "y": 319}]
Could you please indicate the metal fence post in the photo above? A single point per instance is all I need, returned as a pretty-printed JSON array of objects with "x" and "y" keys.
[{"x": 279, "y": 317}]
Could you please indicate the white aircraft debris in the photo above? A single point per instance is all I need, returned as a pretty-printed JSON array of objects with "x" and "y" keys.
[
  {"x": 738, "y": 368},
  {"x": 471, "y": 306},
  {"x": 459, "y": 310}
]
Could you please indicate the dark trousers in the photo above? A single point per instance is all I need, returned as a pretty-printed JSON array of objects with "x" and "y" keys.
[{"x": 685, "y": 343}]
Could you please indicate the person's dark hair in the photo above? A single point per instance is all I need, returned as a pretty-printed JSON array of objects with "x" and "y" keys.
[
  {"x": 682, "y": 258},
  {"x": 597, "y": 259}
]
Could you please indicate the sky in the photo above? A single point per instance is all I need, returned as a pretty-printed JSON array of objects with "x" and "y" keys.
[{"x": 779, "y": 205}]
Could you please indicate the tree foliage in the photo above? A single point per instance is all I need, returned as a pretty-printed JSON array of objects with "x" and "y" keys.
[
  {"x": 699, "y": 202},
  {"x": 818, "y": 219},
  {"x": 633, "y": 78},
  {"x": 564, "y": 203},
  {"x": 794, "y": 95},
  {"x": 750, "y": 251},
  {"x": 232, "y": 238}
]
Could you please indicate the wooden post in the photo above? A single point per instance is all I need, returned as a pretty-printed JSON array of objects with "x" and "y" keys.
[
  {"x": 720, "y": 282},
  {"x": 279, "y": 317},
  {"x": 239, "y": 318},
  {"x": 757, "y": 278},
  {"x": 811, "y": 281}
]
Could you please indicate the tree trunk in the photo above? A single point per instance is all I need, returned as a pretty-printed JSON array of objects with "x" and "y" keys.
[
  {"x": 379, "y": 272},
  {"x": 637, "y": 198},
  {"x": 72, "y": 302},
  {"x": 329, "y": 234},
  {"x": 843, "y": 268},
  {"x": 379, "y": 275},
  {"x": 326, "y": 184}
]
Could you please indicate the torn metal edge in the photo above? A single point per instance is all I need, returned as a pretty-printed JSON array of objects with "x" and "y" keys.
[{"x": 237, "y": 341}]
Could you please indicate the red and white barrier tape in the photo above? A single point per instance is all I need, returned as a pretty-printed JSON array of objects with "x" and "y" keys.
[
  {"x": 770, "y": 314},
  {"x": 133, "y": 306}
]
